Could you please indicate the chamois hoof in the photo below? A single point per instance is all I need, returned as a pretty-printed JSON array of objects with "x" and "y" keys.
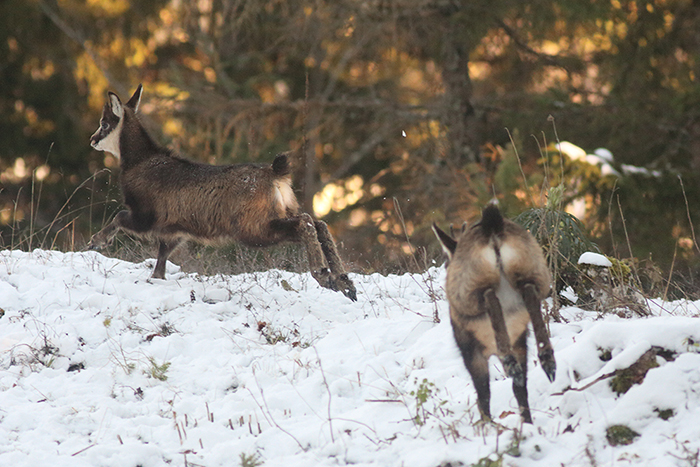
[
  {"x": 340, "y": 283},
  {"x": 549, "y": 365},
  {"x": 344, "y": 285},
  {"x": 514, "y": 370}
]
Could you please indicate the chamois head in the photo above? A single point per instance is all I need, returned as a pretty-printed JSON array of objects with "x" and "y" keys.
[{"x": 106, "y": 138}]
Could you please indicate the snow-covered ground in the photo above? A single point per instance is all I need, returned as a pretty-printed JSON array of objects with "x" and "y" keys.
[{"x": 100, "y": 366}]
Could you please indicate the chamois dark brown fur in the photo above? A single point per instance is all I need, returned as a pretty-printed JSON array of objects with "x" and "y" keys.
[
  {"x": 172, "y": 199},
  {"x": 497, "y": 278}
]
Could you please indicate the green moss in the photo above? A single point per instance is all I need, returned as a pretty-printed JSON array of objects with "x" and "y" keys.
[
  {"x": 620, "y": 435},
  {"x": 487, "y": 462},
  {"x": 622, "y": 382},
  {"x": 250, "y": 460},
  {"x": 158, "y": 371},
  {"x": 664, "y": 414},
  {"x": 625, "y": 379},
  {"x": 620, "y": 269}
]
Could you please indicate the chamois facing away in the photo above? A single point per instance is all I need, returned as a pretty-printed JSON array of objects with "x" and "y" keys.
[
  {"x": 173, "y": 200},
  {"x": 496, "y": 280}
]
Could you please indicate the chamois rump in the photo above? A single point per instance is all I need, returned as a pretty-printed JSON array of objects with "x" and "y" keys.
[
  {"x": 174, "y": 200},
  {"x": 496, "y": 279}
]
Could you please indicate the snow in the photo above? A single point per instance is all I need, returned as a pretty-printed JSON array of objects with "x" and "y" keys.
[
  {"x": 100, "y": 366},
  {"x": 570, "y": 149},
  {"x": 594, "y": 259},
  {"x": 601, "y": 157},
  {"x": 604, "y": 154},
  {"x": 628, "y": 169}
]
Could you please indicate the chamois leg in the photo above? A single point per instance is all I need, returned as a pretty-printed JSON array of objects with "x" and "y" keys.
[
  {"x": 164, "y": 250},
  {"x": 339, "y": 276},
  {"x": 544, "y": 346},
  {"x": 520, "y": 391},
  {"x": 498, "y": 322},
  {"x": 104, "y": 237},
  {"x": 301, "y": 229},
  {"x": 478, "y": 367}
]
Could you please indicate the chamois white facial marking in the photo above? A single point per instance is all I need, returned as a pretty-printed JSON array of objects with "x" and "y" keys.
[{"x": 109, "y": 143}]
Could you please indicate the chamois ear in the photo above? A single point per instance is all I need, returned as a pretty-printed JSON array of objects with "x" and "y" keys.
[
  {"x": 448, "y": 243},
  {"x": 456, "y": 233},
  {"x": 135, "y": 100},
  {"x": 116, "y": 105}
]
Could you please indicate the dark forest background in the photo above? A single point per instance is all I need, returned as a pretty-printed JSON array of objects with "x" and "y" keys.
[{"x": 399, "y": 113}]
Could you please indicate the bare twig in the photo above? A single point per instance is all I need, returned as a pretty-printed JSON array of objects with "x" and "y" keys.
[
  {"x": 555, "y": 60},
  {"x": 583, "y": 388},
  {"x": 83, "y": 450},
  {"x": 268, "y": 414},
  {"x": 80, "y": 40}
]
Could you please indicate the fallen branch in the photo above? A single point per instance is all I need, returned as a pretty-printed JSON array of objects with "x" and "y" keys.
[{"x": 583, "y": 388}]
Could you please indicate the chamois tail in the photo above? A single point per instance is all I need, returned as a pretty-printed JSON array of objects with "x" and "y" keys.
[
  {"x": 491, "y": 221},
  {"x": 280, "y": 166}
]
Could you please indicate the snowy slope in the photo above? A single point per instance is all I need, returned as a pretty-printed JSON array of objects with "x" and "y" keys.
[{"x": 101, "y": 367}]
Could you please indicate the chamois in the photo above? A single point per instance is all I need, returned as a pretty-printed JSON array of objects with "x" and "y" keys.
[
  {"x": 496, "y": 280},
  {"x": 173, "y": 200}
]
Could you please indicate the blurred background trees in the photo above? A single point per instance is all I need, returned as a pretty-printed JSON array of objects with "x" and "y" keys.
[{"x": 398, "y": 112}]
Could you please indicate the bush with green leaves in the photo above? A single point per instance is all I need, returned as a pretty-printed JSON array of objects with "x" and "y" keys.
[{"x": 561, "y": 236}]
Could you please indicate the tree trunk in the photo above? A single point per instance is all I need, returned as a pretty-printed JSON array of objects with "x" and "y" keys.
[{"x": 460, "y": 116}]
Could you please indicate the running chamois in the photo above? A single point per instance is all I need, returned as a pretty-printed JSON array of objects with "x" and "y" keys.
[
  {"x": 496, "y": 280},
  {"x": 173, "y": 200}
]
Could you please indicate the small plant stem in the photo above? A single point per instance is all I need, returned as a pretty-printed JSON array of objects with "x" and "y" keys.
[
  {"x": 687, "y": 210},
  {"x": 66, "y": 204},
  {"x": 328, "y": 390},
  {"x": 520, "y": 165},
  {"x": 633, "y": 266},
  {"x": 670, "y": 272},
  {"x": 268, "y": 415}
]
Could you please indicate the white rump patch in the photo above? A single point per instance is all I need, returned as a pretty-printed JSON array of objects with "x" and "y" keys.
[
  {"x": 284, "y": 196},
  {"x": 509, "y": 254},
  {"x": 488, "y": 255}
]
